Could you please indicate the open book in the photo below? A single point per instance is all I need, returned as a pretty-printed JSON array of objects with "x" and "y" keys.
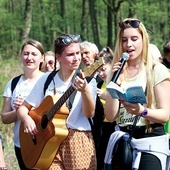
[{"x": 133, "y": 94}]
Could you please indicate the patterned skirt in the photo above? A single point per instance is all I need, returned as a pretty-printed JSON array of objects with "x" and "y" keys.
[{"x": 76, "y": 152}]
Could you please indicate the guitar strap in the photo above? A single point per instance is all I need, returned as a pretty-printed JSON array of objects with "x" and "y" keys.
[{"x": 51, "y": 78}]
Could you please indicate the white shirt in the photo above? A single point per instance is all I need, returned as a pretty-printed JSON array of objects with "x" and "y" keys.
[
  {"x": 76, "y": 118},
  {"x": 22, "y": 89}
]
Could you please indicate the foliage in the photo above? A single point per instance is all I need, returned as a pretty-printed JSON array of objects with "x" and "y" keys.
[{"x": 51, "y": 18}]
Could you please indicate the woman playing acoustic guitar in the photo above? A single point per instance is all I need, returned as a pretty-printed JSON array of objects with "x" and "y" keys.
[{"x": 77, "y": 150}]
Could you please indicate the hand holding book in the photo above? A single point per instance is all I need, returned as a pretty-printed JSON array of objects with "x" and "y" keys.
[{"x": 133, "y": 94}]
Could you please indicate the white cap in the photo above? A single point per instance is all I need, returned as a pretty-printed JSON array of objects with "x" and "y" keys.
[{"x": 155, "y": 52}]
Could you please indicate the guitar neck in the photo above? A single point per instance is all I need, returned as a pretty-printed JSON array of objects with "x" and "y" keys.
[
  {"x": 60, "y": 102},
  {"x": 88, "y": 72}
]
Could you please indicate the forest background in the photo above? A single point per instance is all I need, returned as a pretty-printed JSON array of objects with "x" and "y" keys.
[{"x": 43, "y": 20}]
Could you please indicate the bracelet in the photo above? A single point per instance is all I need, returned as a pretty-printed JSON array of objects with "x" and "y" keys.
[{"x": 145, "y": 112}]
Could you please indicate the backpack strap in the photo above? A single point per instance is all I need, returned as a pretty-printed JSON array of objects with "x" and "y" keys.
[
  {"x": 49, "y": 79},
  {"x": 14, "y": 82}
]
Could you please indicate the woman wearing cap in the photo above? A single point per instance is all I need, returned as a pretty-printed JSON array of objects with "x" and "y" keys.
[
  {"x": 77, "y": 149},
  {"x": 142, "y": 70}
]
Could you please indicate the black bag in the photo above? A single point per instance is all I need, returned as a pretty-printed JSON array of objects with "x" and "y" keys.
[{"x": 122, "y": 154}]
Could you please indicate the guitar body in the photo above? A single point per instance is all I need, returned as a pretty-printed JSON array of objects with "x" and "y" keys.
[{"x": 38, "y": 153}]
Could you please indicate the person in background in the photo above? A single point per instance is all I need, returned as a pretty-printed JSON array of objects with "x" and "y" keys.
[
  {"x": 32, "y": 54},
  {"x": 2, "y": 159},
  {"x": 50, "y": 63},
  {"x": 166, "y": 54},
  {"x": 154, "y": 78},
  {"x": 77, "y": 150},
  {"x": 155, "y": 52},
  {"x": 107, "y": 127},
  {"x": 89, "y": 52}
]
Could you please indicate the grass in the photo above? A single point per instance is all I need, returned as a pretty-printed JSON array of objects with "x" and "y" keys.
[{"x": 8, "y": 68}]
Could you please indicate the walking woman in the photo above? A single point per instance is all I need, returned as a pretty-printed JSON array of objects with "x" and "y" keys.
[
  {"x": 141, "y": 70},
  {"x": 32, "y": 54}
]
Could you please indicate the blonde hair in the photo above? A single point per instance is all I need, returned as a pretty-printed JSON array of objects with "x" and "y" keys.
[
  {"x": 145, "y": 56},
  {"x": 51, "y": 53}
]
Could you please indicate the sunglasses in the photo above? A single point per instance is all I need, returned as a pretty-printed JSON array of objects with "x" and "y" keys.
[
  {"x": 133, "y": 23},
  {"x": 50, "y": 62},
  {"x": 70, "y": 39}
]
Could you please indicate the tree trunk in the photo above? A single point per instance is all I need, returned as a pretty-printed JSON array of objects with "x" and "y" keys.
[
  {"x": 64, "y": 28},
  {"x": 27, "y": 19},
  {"x": 109, "y": 27},
  {"x": 94, "y": 22},
  {"x": 83, "y": 19}
]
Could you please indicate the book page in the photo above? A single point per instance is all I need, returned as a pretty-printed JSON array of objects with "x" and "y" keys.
[{"x": 135, "y": 95}]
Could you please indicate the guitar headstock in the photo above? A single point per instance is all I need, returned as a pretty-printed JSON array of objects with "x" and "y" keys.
[{"x": 92, "y": 69}]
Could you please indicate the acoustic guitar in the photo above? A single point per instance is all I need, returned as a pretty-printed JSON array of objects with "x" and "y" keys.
[{"x": 39, "y": 151}]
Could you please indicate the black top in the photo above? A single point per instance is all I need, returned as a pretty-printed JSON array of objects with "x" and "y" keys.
[{"x": 166, "y": 63}]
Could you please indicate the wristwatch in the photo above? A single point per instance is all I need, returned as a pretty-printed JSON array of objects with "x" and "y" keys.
[{"x": 145, "y": 112}]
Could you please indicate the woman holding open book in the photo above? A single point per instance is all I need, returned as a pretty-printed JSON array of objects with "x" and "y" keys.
[{"x": 141, "y": 70}]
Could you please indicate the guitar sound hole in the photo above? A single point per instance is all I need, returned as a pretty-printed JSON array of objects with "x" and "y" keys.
[{"x": 44, "y": 121}]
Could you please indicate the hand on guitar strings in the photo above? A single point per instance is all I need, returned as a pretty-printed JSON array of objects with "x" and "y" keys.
[{"x": 80, "y": 82}]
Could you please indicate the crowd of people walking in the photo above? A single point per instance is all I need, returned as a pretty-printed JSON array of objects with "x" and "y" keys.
[{"x": 71, "y": 118}]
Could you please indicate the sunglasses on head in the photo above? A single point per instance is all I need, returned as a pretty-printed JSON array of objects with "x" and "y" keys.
[
  {"x": 133, "y": 23},
  {"x": 70, "y": 39}
]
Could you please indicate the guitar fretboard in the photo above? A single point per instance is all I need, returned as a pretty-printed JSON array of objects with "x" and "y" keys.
[{"x": 60, "y": 102}]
